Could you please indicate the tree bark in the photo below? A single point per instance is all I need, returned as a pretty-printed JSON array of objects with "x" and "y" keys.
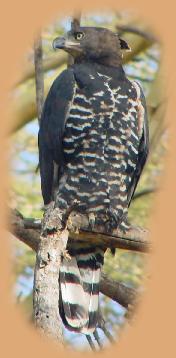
[
  {"x": 39, "y": 79},
  {"x": 48, "y": 255},
  {"x": 46, "y": 287},
  {"x": 118, "y": 292}
]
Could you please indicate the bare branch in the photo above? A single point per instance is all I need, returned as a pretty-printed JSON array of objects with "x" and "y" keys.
[
  {"x": 135, "y": 239},
  {"x": 143, "y": 192},
  {"x": 30, "y": 236},
  {"x": 117, "y": 291},
  {"x": 39, "y": 80}
]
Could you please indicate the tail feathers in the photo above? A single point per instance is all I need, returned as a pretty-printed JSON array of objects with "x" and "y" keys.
[{"x": 79, "y": 290}]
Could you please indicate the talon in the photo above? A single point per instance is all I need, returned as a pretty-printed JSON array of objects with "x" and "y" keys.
[
  {"x": 92, "y": 220},
  {"x": 112, "y": 220},
  {"x": 66, "y": 255}
]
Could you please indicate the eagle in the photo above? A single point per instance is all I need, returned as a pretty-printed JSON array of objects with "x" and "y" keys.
[{"x": 93, "y": 144}]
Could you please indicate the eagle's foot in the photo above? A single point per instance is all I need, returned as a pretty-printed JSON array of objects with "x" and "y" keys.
[
  {"x": 112, "y": 221},
  {"x": 52, "y": 219}
]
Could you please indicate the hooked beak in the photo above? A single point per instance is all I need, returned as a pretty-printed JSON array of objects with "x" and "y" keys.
[
  {"x": 66, "y": 44},
  {"x": 59, "y": 43}
]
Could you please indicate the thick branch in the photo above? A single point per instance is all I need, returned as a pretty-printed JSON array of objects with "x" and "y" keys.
[
  {"x": 50, "y": 249},
  {"x": 118, "y": 292},
  {"x": 46, "y": 288},
  {"x": 135, "y": 239},
  {"x": 29, "y": 236}
]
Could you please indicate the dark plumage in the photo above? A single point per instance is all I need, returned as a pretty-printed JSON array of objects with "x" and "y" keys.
[{"x": 93, "y": 144}]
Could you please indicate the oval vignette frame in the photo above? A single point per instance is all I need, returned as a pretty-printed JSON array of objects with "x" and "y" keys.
[{"x": 152, "y": 333}]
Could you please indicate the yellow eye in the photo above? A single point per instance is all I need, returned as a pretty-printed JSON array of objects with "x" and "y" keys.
[{"x": 79, "y": 35}]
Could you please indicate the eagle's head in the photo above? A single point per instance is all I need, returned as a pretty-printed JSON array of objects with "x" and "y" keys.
[{"x": 93, "y": 44}]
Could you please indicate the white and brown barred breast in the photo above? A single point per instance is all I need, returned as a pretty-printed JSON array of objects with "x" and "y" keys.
[{"x": 100, "y": 146}]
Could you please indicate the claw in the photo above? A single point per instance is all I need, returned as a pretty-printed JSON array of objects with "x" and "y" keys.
[
  {"x": 66, "y": 255},
  {"x": 92, "y": 220},
  {"x": 113, "y": 220}
]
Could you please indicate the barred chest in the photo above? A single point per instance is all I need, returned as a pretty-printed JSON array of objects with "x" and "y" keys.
[
  {"x": 102, "y": 122},
  {"x": 100, "y": 145}
]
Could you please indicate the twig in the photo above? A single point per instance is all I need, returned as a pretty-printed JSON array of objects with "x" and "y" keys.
[
  {"x": 144, "y": 192},
  {"x": 39, "y": 80}
]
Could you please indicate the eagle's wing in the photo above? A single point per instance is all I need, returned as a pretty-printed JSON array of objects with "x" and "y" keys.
[
  {"x": 55, "y": 113},
  {"x": 143, "y": 132}
]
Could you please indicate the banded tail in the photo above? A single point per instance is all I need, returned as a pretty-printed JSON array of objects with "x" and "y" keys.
[{"x": 79, "y": 289}]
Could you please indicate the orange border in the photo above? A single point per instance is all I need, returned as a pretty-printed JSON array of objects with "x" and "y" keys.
[{"x": 153, "y": 333}]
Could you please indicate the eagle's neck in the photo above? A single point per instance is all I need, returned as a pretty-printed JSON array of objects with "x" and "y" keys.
[
  {"x": 110, "y": 69},
  {"x": 110, "y": 60}
]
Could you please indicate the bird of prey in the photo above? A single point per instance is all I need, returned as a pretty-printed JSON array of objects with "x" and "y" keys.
[{"x": 93, "y": 144}]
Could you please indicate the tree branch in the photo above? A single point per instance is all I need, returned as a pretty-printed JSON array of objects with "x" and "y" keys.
[
  {"x": 48, "y": 255},
  {"x": 51, "y": 63},
  {"x": 135, "y": 239},
  {"x": 46, "y": 288},
  {"x": 28, "y": 231},
  {"x": 118, "y": 292},
  {"x": 39, "y": 79},
  {"x": 143, "y": 192}
]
